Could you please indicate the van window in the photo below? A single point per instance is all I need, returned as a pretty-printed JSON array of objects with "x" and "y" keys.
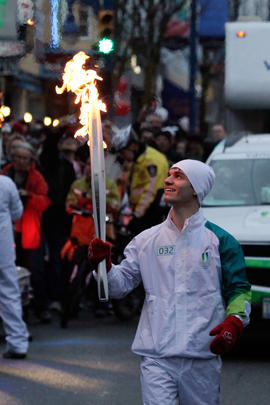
[{"x": 240, "y": 182}]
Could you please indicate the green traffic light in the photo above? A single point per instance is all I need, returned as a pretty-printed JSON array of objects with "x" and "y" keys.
[{"x": 105, "y": 45}]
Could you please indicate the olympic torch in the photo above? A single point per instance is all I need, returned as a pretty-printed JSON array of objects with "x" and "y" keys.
[{"x": 82, "y": 82}]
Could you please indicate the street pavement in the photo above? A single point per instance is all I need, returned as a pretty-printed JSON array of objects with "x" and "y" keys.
[{"x": 91, "y": 363}]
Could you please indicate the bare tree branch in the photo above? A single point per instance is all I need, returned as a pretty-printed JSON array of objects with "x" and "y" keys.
[{"x": 139, "y": 29}]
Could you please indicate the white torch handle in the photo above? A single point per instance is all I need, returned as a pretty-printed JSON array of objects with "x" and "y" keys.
[{"x": 98, "y": 194}]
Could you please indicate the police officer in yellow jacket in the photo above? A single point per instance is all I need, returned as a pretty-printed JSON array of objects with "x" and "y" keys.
[{"x": 148, "y": 170}]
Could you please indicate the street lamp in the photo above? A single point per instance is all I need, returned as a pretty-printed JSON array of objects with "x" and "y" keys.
[
  {"x": 27, "y": 117},
  {"x": 70, "y": 30},
  {"x": 47, "y": 121},
  {"x": 6, "y": 110}
]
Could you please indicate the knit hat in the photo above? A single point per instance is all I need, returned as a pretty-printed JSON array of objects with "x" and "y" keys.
[{"x": 200, "y": 175}]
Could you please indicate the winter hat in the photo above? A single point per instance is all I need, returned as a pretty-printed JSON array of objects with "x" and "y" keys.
[{"x": 200, "y": 175}]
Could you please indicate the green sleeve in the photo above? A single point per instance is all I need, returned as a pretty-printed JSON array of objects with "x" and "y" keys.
[{"x": 235, "y": 286}]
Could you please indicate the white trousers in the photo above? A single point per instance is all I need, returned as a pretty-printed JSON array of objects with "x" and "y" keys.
[
  {"x": 180, "y": 381},
  {"x": 11, "y": 311}
]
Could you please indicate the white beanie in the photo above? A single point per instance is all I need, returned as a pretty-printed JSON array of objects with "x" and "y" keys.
[{"x": 200, "y": 175}]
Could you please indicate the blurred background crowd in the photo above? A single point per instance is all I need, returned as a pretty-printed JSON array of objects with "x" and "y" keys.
[{"x": 51, "y": 170}]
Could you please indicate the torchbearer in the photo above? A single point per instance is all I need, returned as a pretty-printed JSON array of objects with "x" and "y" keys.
[
  {"x": 82, "y": 82},
  {"x": 197, "y": 299}
]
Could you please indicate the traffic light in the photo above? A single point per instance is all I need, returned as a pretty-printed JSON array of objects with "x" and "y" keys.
[{"x": 105, "y": 30}]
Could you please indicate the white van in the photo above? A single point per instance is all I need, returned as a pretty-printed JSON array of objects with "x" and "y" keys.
[{"x": 240, "y": 203}]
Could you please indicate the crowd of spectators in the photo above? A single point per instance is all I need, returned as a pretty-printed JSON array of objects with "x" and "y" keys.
[{"x": 51, "y": 171}]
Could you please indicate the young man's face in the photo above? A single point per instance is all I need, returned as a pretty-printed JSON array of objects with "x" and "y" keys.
[{"x": 177, "y": 188}]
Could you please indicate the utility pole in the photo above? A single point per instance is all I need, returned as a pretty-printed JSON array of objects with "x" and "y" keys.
[{"x": 193, "y": 68}]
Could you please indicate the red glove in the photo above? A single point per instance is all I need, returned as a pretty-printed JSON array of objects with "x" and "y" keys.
[
  {"x": 227, "y": 333},
  {"x": 85, "y": 202},
  {"x": 98, "y": 251}
]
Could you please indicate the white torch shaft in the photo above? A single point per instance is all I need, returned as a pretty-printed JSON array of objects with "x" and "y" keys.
[{"x": 98, "y": 187}]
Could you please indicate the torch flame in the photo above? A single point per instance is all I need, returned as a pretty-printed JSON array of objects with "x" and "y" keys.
[{"x": 82, "y": 82}]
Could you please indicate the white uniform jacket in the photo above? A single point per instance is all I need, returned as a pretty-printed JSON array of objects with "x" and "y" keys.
[
  {"x": 192, "y": 279},
  {"x": 11, "y": 209}
]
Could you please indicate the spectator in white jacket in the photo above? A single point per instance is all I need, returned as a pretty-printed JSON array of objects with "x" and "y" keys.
[{"x": 11, "y": 209}]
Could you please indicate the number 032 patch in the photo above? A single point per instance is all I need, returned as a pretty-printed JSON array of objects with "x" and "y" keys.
[{"x": 166, "y": 250}]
